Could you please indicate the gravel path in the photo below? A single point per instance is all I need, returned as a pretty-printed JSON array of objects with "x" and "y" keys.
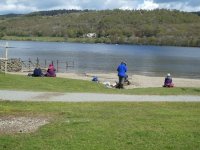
[{"x": 90, "y": 97}]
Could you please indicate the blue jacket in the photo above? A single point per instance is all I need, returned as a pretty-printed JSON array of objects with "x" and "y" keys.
[
  {"x": 122, "y": 70},
  {"x": 37, "y": 72}
]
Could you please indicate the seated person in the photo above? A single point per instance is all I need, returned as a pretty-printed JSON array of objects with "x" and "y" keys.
[
  {"x": 37, "y": 72},
  {"x": 51, "y": 71},
  {"x": 168, "y": 81}
]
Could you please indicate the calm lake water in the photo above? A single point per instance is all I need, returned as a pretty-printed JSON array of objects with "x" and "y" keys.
[{"x": 145, "y": 60}]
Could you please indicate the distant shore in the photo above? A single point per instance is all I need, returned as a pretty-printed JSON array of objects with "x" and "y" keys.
[
  {"x": 81, "y": 40},
  {"x": 137, "y": 81}
]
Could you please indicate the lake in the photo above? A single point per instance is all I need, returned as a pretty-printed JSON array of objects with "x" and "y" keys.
[{"x": 143, "y": 60}]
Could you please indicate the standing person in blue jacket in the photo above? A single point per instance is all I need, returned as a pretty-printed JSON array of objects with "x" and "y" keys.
[{"x": 122, "y": 69}]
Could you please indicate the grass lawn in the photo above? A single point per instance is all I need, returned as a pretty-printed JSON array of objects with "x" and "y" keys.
[
  {"x": 18, "y": 82},
  {"x": 106, "y": 126},
  {"x": 100, "y": 126}
]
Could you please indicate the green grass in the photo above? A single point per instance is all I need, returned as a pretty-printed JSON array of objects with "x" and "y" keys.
[
  {"x": 49, "y": 39},
  {"x": 103, "y": 126},
  {"x": 57, "y": 39},
  {"x": 42, "y": 39},
  {"x": 18, "y": 82}
]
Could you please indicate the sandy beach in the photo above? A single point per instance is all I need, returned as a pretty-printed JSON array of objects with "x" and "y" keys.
[{"x": 137, "y": 81}]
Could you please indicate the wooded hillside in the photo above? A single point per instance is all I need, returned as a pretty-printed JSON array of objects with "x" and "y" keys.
[{"x": 157, "y": 27}]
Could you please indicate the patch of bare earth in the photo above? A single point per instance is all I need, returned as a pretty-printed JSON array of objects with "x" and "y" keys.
[{"x": 11, "y": 124}]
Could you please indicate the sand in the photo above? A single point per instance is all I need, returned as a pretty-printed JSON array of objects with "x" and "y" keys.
[{"x": 137, "y": 81}]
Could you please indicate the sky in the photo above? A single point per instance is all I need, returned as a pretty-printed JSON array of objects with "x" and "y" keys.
[{"x": 27, "y": 6}]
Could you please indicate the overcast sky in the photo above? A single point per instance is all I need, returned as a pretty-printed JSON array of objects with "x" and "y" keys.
[{"x": 26, "y": 6}]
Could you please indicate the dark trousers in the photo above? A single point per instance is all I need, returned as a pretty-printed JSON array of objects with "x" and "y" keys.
[{"x": 121, "y": 82}]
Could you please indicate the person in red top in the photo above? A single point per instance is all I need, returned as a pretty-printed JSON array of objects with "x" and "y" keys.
[{"x": 51, "y": 71}]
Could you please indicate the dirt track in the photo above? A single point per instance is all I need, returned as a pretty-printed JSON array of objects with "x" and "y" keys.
[{"x": 90, "y": 97}]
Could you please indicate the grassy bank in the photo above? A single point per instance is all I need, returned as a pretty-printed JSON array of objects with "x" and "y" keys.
[
  {"x": 18, "y": 82},
  {"x": 52, "y": 39},
  {"x": 42, "y": 39},
  {"x": 100, "y": 126}
]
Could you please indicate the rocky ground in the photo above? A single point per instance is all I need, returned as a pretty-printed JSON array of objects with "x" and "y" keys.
[{"x": 16, "y": 124}]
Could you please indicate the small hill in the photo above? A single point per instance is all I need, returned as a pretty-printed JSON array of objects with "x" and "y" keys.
[{"x": 156, "y": 27}]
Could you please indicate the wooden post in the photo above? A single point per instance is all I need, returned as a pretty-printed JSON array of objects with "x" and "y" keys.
[
  {"x": 45, "y": 63},
  {"x": 0, "y": 65},
  {"x": 37, "y": 65},
  {"x": 6, "y": 59},
  {"x": 66, "y": 65},
  {"x": 29, "y": 64},
  {"x": 57, "y": 65}
]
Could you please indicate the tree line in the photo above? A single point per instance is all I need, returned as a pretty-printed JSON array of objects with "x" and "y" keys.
[{"x": 155, "y": 27}]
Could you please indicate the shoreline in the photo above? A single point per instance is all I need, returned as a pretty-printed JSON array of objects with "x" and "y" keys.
[
  {"x": 137, "y": 81},
  {"x": 80, "y": 40}
]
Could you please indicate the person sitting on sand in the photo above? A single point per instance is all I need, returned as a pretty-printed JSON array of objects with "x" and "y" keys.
[
  {"x": 168, "y": 81},
  {"x": 51, "y": 71}
]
